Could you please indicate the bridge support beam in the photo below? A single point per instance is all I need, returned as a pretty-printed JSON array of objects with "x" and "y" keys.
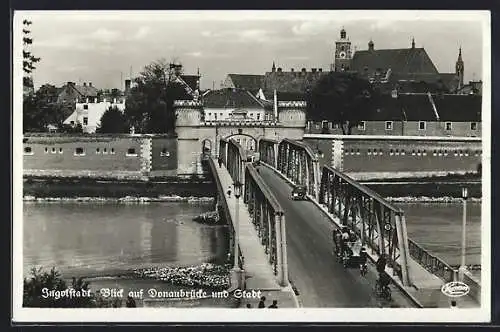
[{"x": 403, "y": 248}]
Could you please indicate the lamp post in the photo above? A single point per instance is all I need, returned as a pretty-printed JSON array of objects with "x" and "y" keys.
[
  {"x": 236, "y": 272},
  {"x": 462, "y": 268}
]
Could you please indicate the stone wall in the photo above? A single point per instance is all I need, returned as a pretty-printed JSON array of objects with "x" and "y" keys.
[
  {"x": 107, "y": 156},
  {"x": 388, "y": 157}
]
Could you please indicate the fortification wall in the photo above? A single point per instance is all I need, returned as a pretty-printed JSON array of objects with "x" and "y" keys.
[{"x": 389, "y": 157}]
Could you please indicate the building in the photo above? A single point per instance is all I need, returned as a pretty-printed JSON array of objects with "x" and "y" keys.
[
  {"x": 231, "y": 104},
  {"x": 395, "y": 67},
  {"x": 71, "y": 93},
  {"x": 89, "y": 113},
  {"x": 413, "y": 115}
]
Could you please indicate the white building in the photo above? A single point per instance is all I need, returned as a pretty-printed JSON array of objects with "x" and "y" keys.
[{"x": 89, "y": 114}]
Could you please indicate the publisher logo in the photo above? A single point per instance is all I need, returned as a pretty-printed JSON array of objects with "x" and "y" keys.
[{"x": 455, "y": 289}]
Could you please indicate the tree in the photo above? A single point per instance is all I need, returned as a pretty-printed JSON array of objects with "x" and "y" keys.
[
  {"x": 29, "y": 59},
  {"x": 41, "y": 109},
  {"x": 149, "y": 107},
  {"x": 342, "y": 98},
  {"x": 113, "y": 121},
  {"x": 37, "y": 286}
]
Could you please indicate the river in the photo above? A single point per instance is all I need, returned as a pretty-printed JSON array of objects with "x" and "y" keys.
[{"x": 97, "y": 239}]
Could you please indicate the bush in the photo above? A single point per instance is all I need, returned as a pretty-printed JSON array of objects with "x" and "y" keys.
[{"x": 41, "y": 282}]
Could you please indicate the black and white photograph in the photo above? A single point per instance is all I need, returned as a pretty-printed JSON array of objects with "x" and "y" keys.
[{"x": 207, "y": 166}]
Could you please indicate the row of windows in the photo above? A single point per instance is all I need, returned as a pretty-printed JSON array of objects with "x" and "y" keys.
[
  {"x": 85, "y": 121},
  {"x": 79, "y": 151},
  {"x": 402, "y": 152},
  {"x": 389, "y": 125}
]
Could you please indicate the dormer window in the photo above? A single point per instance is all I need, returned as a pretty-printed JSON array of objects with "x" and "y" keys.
[
  {"x": 473, "y": 126},
  {"x": 388, "y": 125},
  {"x": 448, "y": 126},
  {"x": 362, "y": 125},
  {"x": 421, "y": 125}
]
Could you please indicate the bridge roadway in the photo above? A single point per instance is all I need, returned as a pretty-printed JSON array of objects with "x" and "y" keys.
[{"x": 320, "y": 279}]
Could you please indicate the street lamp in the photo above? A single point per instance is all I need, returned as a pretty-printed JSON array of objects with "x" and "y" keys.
[
  {"x": 237, "y": 273},
  {"x": 464, "y": 221}
]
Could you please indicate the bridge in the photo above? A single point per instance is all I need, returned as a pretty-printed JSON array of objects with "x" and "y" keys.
[{"x": 286, "y": 245}]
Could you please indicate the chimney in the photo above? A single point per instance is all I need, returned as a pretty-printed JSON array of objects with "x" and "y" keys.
[
  {"x": 84, "y": 84},
  {"x": 127, "y": 86},
  {"x": 90, "y": 84},
  {"x": 275, "y": 106},
  {"x": 313, "y": 70}
]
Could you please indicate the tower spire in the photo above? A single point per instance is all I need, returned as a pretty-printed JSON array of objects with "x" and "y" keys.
[
  {"x": 412, "y": 42},
  {"x": 459, "y": 68},
  {"x": 274, "y": 67}
]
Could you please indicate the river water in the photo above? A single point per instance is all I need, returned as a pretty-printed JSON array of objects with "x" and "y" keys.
[
  {"x": 437, "y": 227},
  {"x": 98, "y": 239},
  {"x": 107, "y": 238}
]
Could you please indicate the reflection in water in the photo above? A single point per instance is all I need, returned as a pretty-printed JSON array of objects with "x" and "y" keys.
[{"x": 99, "y": 238}]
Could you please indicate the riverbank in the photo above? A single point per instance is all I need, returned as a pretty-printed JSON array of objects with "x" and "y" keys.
[
  {"x": 437, "y": 190},
  {"x": 76, "y": 188}
]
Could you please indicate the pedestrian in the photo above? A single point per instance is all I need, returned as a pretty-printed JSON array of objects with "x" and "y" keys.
[
  {"x": 249, "y": 305},
  {"x": 274, "y": 305},
  {"x": 130, "y": 302},
  {"x": 381, "y": 263},
  {"x": 220, "y": 161},
  {"x": 229, "y": 192},
  {"x": 262, "y": 301}
]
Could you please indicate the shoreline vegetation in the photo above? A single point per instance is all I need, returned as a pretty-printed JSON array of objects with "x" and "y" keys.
[{"x": 125, "y": 199}]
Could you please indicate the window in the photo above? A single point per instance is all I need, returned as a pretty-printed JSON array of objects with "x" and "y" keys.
[
  {"x": 28, "y": 151},
  {"x": 397, "y": 152},
  {"x": 53, "y": 150},
  {"x": 97, "y": 150},
  {"x": 46, "y": 150},
  {"x": 336, "y": 126},
  {"x": 79, "y": 152},
  {"x": 85, "y": 107},
  {"x": 324, "y": 124},
  {"x": 473, "y": 126},
  {"x": 112, "y": 151},
  {"x": 131, "y": 152},
  {"x": 403, "y": 152},
  {"x": 357, "y": 152},
  {"x": 380, "y": 152},
  {"x": 60, "y": 150},
  {"x": 164, "y": 153},
  {"x": 72, "y": 122},
  {"x": 362, "y": 125},
  {"x": 85, "y": 121},
  {"x": 251, "y": 114},
  {"x": 391, "y": 152},
  {"x": 448, "y": 125},
  {"x": 317, "y": 126},
  {"x": 369, "y": 152},
  {"x": 421, "y": 125},
  {"x": 209, "y": 114},
  {"x": 388, "y": 125},
  {"x": 105, "y": 151},
  {"x": 258, "y": 116}
]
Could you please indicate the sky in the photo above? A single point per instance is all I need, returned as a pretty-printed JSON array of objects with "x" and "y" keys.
[{"x": 106, "y": 47}]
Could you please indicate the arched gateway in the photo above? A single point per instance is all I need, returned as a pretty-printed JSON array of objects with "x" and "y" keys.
[{"x": 199, "y": 135}]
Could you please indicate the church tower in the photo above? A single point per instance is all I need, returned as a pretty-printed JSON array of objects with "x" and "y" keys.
[
  {"x": 343, "y": 53},
  {"x": 459, "y": 69}
]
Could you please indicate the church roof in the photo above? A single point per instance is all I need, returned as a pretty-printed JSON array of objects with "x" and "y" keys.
[
  {"x": 247, "y": 81},
  {"x": 459, "y": 108},
  {"x": 191, "y": 80},
  {"x": 404, "y": 60}
]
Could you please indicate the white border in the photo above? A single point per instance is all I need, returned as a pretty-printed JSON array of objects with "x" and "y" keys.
[{"x": 239, "y": 315}]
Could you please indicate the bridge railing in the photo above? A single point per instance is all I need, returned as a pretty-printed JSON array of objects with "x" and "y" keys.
[
  {"x": 431, "y": 263},
  {"x": 378, "y": 223},
  {"x": 299, "y": 163},
  {"x": 269, "y": 221}
]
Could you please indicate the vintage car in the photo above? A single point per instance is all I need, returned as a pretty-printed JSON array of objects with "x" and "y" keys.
[{"x": 299, "y": 192}]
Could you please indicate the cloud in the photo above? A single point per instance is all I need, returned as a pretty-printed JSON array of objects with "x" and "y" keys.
[
  {"x": 61, "y": 42},
  {"x": 70, "y": 69},
  {"x": 142, "y": 32},
  {"x": 253, "y": 35},
  {"x": 105, "y": 35},
  {"x": 194, "y": 54},
  {"x": 312, "y": 28}
]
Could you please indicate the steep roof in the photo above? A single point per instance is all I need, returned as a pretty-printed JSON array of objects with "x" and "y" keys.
[
  {"x": 247, "y": 81},
  {"x": 416, "y": 107},
  {"x": 459, "y": 108},
  {"x": 191, "y": 80},
  {"x": 85, "y": 90},
  {"x": 450, "y": 80},
  {"x": 293, "y": 82},
  {"x": 404, "y": 60},
  {"x": 231, "y": 97}
]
